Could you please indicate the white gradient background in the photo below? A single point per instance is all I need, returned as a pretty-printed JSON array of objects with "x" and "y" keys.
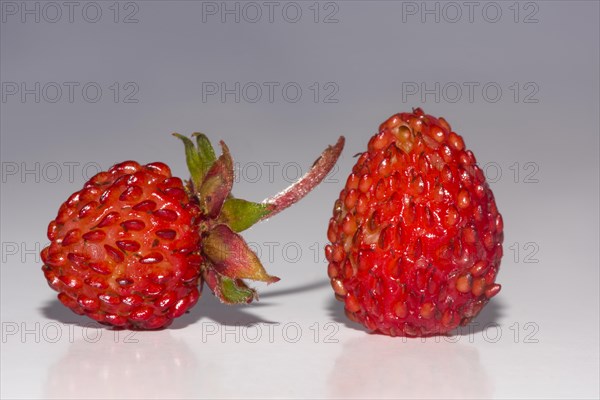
[{"x": 546, "y": 314}]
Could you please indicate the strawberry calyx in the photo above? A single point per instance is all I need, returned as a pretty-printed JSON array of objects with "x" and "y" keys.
[{"x": 227, "y": 258}]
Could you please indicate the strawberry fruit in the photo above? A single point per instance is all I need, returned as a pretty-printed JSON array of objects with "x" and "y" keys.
[
  {"x": 133, "y": 248},
  {"x": 416, "y": 237}
]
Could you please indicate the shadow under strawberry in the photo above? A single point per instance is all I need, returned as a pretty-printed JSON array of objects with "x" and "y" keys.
[
  {"x": 210, "y": 307},
  {"x": 490, "y": 315},
  {"x": 296, "y": 289},
  {"x": 56, "y": 311},
  {"x": 337, "y": 314}
]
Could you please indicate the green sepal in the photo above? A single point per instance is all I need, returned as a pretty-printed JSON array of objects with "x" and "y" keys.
[
  {"x": 235, "y": 291},
  {"x": 205, "y": 151},
  {"x": 217, "y": 184},
  {"x": 228, "y": 290},
  {"x": 241, "y": 214},
  {"x": 230, "y": 255},
  {"x": 192, "y": 158}
]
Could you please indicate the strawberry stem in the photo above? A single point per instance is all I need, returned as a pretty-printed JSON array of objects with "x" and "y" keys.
[{"x": 319, "y": 170}]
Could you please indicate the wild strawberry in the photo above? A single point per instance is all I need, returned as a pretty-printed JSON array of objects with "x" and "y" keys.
[
  {"x": 135, "y": 245},
  {"x": 416, "y": 237}
]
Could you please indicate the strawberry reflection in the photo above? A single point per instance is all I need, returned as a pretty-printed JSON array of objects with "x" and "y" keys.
[
  {"x": 123, "y": 364},
  {"x": 377, "y": 366}
]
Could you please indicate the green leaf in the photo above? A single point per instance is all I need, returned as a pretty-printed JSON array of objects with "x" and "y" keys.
[
  {"x": 194, "y": 163},
  {"x": 206, "y": 152},
  {"x": 241, "y": 214},
  {"x": 230, "y": 255}
]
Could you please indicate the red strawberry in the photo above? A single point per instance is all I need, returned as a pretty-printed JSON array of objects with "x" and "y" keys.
[
  {"x": 134, "y": 246},
  {"x": 416, "y": 238}
]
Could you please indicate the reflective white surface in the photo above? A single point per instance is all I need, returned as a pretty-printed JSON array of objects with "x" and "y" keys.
[
  {"x": 266, "y": 351},
  {"x": 537, "y": 338}
]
